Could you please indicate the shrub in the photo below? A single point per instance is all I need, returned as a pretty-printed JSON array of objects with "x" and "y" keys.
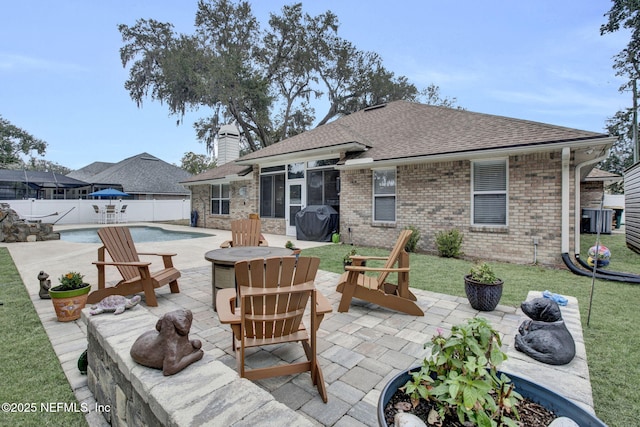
[
  {"x": 412, "y": 244},
  {"x": 449, "y": 243}
]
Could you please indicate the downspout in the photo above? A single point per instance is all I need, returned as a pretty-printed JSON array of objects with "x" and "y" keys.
[
  {"x": 566, "y": 163},
  {"x": 577, "y": 210}
]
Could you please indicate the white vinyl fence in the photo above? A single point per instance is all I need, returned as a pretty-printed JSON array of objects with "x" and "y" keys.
[{"x": 81, "y": 211}]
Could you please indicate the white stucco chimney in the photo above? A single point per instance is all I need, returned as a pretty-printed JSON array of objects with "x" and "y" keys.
[{"x": 228, "y": 144}]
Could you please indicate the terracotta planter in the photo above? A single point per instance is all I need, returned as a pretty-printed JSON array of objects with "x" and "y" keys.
[
  {"x": 69, "y": 304},
  {"x": 560, "y": 405},
  {"x": 482, "y": 296}
]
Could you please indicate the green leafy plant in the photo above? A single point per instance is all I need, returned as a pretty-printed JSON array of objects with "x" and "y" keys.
[
  {"x": 461, "y": 377},
  {"x": 70, "y": 281},
  {"x": 412, "y": 244},
  {"x": 347, "y": 257},
  {"x": 449, "y": 243},
  {"x": 483, "y": 273},
  {"x": 289, "y": 244}
]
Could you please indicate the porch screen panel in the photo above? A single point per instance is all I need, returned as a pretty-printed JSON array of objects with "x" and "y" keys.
[
  {"x": 490, "y": 192},
  {"x": 315, "y": 194},
  {"x": 266, "y": 196},
  {"x": 272, "y": 192},
  {"x": 323, "y": 187}
]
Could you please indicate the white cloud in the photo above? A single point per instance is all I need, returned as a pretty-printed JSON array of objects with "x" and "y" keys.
[{"x": 23, "y": 63}]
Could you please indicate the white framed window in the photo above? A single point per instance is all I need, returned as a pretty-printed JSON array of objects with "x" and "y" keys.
[
  {"x": 220, "y": 199},
  {"x": 489, "y": 183},
  {"x": 384, "y": 195}
]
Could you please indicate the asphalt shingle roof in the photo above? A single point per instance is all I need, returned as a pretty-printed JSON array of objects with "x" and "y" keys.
[
  {"x": 143, "y": 174},
  {"x": 403, "y": 129},
  {"x": 90, "y": 170},
  {"x": 219, "y": 172}
]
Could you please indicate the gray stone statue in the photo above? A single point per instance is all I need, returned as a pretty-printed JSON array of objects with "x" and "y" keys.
[
  {"x": 168, "y": 347},
  {"x": 45, "y": 284},
  {"x": 545, "y": 337},
  {"x": 114, "y": 303}
]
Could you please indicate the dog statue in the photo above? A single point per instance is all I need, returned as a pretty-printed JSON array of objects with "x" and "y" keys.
[
  {"x": 168, "y": 347},
  {"x": 545, "y": 337}
]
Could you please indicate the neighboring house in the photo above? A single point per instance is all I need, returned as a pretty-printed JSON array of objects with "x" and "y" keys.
[
  {"x": 22, "y": 184},
  {"x": 511, "y": 186},
  {"x": 143, "y": 177},
  {"x": 594, "y": 186}
]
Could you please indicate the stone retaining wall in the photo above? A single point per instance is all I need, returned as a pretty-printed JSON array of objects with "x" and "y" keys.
[{"x": 205, "y": 393}]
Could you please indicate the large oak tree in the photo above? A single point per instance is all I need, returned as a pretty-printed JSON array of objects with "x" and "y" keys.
[
  {"x": 267, "y": 80},
  {"x": 16, "y": 143},
  {"x": 625, "y": 15}
]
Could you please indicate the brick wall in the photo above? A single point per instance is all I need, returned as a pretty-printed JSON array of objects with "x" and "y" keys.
[
  {"x": 437, "y": 196},
  {"x": 243, "y": 201},
  {"x": 591, "y": 194},
  {"x": 434, "y": 197}
]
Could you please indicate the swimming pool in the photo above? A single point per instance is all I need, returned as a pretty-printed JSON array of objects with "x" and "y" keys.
[{"x": 139, "y": 235}]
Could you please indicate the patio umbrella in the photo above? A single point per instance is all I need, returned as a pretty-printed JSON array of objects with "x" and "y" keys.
[{"x": 109, "y": 192}]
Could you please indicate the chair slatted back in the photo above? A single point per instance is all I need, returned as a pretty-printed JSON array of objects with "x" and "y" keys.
[
  {"x": 245, "y": 232},
  {"x": 397, "y": 251},
  {"x": 119, "y": 244},
  {"x": 287, "y": 286}
]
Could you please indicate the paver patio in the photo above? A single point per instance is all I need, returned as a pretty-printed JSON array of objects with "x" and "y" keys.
[{"x": 359, "y": 350}]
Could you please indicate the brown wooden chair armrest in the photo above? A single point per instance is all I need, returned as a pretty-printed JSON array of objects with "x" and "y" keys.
[
  {"x": 157, "y": 253},
  {"x": 323, "y": 306},
  {"x": 132, "y": 263},
  {"x": 226, "y": 244},
  {"x": 359, "y": 268},
  {"x": 225, "y": 305},
  {"x": 367, "y": 257}
]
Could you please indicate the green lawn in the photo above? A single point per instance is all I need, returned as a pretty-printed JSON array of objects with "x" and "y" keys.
[
  {"x": 612, "y": 338},
  {"x": 31, "y": 373}
]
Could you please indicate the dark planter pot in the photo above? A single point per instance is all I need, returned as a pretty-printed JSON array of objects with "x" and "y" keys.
[
  {"x": 69, "y": 304},
  {"x": 346, "y": 263},
  {"x": 482, "y": 296},
  {"x": 560, "y": 405}
]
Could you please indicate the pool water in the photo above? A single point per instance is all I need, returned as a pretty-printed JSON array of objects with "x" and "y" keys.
[{"x": 139, "y": 235}]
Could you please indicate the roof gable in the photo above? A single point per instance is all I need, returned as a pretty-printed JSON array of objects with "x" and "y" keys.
[{"x": 219, "y": 173}]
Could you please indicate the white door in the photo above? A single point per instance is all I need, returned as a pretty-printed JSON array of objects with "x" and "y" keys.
[{"x": 295, "y": 203}]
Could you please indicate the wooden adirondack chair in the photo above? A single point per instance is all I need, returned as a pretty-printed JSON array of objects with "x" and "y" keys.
[
  {"x": 245, "y": 232},
  {"x": 136, "y": 274},
  {"x": 274, "y": 293},
  {"x": 377, "y": 290}
]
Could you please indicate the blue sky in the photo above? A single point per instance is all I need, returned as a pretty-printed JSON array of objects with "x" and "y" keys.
[{"x": 61, "y": 78}]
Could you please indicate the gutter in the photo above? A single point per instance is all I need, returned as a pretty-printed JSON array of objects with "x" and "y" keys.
[
  {"x": 299, "y": 154},
  {"x": 475, "y": 154}
]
